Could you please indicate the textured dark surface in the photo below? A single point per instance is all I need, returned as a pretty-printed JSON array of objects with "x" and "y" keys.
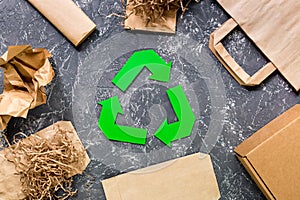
[{"x": 244, "y": 110}]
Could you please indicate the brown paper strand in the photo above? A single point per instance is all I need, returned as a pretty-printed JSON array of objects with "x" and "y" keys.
[
  {"x": 154, "y": 15},
  {"x": 46, "y": 166},
  {"x": 155, "y": 10}
]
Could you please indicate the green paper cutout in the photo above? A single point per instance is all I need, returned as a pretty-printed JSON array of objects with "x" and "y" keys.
[
  {"x": 110, "y": 110},
  {"x": 146, "y": 58},
  {"x": 185, "y": 116},
  {"x": 160, "y": 72}
]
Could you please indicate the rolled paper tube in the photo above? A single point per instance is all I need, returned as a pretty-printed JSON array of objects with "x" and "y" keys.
[{"x": 67, "y": 17}]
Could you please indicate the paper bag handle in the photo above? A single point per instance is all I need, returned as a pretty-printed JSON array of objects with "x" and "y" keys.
[{"x": 230, "y": 64}]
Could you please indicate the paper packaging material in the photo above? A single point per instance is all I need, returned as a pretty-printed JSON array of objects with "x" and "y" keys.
[
  {"x": 188, "y": 178},
  {"x": 271, "y": 156},
  {"x": 10, "y": 185},
  {"x": 134, "y": 22},
  {"x": 274, "y": 27},
  {"x": 67, "y": 17},
  {"x": 26, "y": 72}
]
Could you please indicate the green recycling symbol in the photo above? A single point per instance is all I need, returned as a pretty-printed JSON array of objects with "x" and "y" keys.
[{"x": 167, "y": 132}]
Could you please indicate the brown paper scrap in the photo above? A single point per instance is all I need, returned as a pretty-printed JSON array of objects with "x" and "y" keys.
[
  {"x": 67, "y": 17},
  {"x": 11, "y": 187},
  {"x": 167, "y": 22},
  {"x": 26, "y": 72},
  {"x": 188, "y": 178}
]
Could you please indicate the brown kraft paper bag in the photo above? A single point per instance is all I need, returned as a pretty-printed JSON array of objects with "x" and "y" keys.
[{"x": 275, "y": 29}]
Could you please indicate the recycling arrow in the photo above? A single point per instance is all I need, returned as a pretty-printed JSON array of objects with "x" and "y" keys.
[
  {"x": 185, "y": 116},
  {"x": 146, "y": 58},
  {"x": 160, "y": 72},
  {"x": 110, "y": 109}
]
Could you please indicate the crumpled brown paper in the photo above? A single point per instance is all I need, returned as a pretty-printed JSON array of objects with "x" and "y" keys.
[
  {"x": 10, "y": 183},
  {"x": 26, "y": 72}
]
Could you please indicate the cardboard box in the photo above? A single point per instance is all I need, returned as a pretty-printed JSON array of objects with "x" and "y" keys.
[{"x": 271, "y": 156}]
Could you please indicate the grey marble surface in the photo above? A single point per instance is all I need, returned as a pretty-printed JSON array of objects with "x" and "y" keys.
[{"x": 227, "y": 113}]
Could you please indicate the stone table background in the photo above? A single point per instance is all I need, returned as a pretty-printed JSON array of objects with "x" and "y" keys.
[{"x": 246, "y": 109}]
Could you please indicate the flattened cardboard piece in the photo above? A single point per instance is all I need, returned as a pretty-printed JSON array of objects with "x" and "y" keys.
[
  {"x": 10, "y": 185},
  {"x": 188, "y": 178},
  {"x": 134, "y": 22},
  {"x": 26, "y": 72},
  {"x": 273, "y": 26},
  {"x": 67, "y": 17},
  {"x": 271, "y": 156}
]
